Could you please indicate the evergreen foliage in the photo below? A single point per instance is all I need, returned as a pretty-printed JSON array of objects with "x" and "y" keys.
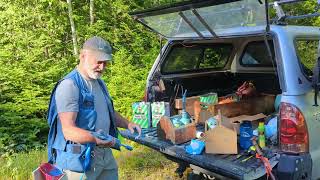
[{"x": 36, "y": 51}]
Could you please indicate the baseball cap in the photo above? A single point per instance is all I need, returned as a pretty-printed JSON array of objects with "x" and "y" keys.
[{"x": 102, "y": 48}]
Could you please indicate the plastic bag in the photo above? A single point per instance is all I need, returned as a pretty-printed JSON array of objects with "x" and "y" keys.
[{"x": 195, "y": 147}]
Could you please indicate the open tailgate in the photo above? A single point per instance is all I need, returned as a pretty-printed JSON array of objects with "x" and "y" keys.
[
  {"x": 203, "y": 19},
  {"x": 233, "y": 166}
]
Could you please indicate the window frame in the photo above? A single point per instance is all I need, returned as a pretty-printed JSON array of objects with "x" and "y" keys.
[
  {"x": 296, "y": 39},
  {"x": 274, "y": 64},
  {"x": 201, "y": 46}
]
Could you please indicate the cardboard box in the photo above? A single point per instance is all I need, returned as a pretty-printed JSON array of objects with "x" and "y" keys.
[
  {"x": 141, "y": 114},
  {"x": 189, "y": 101},
  {"x": 221, "y": 140},
  {"x": 234, "y": 123},
  {"x": 204, "y": 115},
  {"x": 166, "y": 131},
  {"x": 201, "y": 113},
  {"x": 210, "y": 98},
  {"x": 189, "y": 104},
  {"x": 251, "y": 106},
  {"x": 159, "y": 109}
]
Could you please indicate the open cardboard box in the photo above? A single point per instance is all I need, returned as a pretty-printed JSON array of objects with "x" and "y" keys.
[
  {"x": 223, "y": 138},
  {"x": 220, "y": 140},
  {"x": 234, "y": 123}
]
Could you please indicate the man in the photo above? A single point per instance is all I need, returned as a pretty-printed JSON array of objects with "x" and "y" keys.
[{"x": 81, "y": 105}]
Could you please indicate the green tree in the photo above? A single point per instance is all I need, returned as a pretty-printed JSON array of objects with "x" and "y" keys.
[{"x": 37, "y": 50}]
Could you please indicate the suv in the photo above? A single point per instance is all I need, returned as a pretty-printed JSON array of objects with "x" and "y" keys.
[{"x": 214, "y": 46}]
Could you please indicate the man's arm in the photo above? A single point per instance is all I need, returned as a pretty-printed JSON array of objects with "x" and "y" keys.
[
  {"x": 124, "y": 123},
  {"x": 75, "y": 134},
  {"x": 121, "y": 121},
  {"x": 67, "y": 97}
]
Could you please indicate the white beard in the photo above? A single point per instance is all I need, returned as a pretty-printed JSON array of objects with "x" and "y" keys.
[{"x": 91, "y": 73}]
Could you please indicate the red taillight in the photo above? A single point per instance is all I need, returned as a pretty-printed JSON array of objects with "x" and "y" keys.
[{"x": 293, "y": 130}]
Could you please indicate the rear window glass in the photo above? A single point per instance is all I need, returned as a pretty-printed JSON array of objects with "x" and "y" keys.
[
  {"x": 307, "y": 54},
  {"x": 256, "y": 55},
  {"x": 193, "y": 57}
]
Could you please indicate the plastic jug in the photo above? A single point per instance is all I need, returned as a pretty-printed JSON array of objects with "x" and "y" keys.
[
  {"x": 261, "y": 137},
  {"x": 246, "y": 134}
]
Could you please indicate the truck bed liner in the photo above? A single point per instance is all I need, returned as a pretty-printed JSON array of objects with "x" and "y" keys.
[{"x": 231, "y": 166}]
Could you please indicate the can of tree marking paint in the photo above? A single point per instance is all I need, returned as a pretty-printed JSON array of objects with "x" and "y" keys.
[{"x": 199, "y": 134}]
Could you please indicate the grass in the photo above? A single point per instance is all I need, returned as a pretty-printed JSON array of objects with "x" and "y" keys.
[
  {"x": 141, "y": 163},
  {"x": 144, "y": 163},
  {"x": 19, "y": 166}
]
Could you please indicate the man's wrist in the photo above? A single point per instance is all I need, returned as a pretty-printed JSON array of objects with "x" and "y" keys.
[
  {"x": 127, "y": 124},
  {"x": 124, "y": 123}
]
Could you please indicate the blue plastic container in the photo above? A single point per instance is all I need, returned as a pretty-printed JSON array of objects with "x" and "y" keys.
[{"x": 246, "y": 134}]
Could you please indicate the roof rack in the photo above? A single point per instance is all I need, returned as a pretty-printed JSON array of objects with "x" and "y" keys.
[{"x": 282, "y": 16}]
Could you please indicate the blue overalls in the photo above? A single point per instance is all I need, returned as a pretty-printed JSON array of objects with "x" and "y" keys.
[{"x": 65, "y": 154}]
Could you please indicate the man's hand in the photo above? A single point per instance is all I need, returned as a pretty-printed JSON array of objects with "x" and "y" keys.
[
  {"x": 102, "y": 143},
  {"x": 132, "y": 126},
  {"x": 124, "y": 123}
]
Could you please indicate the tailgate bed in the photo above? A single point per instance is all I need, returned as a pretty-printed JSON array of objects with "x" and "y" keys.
[{"x": 232, "y": 166}]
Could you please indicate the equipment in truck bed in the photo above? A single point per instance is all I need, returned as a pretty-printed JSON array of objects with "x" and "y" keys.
[
  {"x": 212, "y": 46},
  {"x": 239, "y": 166}
]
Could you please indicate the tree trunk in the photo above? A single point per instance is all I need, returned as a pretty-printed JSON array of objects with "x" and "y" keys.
[
  {"x": 91, "y": 12},
  {"x": 73, "y": 29}
]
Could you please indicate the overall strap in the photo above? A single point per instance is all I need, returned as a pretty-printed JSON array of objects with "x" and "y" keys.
[{"x": 113, "y": 130}]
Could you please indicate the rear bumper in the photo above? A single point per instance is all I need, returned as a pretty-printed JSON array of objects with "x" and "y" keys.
[{"x": 294, "y": 166}]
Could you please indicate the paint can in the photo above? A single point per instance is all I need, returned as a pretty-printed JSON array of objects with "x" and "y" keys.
[{"x": 199, "y": 134}]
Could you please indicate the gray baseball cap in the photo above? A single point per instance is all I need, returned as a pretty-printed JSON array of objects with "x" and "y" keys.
[{"x": 102, "y": 48}]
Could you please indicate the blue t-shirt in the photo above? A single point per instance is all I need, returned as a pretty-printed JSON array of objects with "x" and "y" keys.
[{"x": 67, "y": 97}]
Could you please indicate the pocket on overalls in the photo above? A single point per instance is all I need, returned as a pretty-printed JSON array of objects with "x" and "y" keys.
[
  {"x": 70, "y": 158},
  {"x": 87, "y": 115},
  {"x": 87, "y": 101}
]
